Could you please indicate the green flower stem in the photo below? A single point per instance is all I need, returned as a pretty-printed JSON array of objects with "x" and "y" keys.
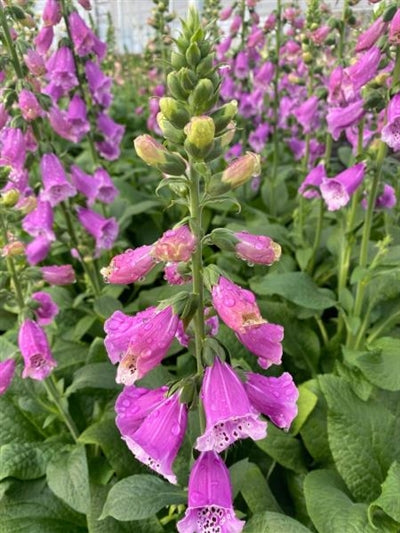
[
  {"x": 81, "y": 88},
  {"x": 328, "y": 151},
  {"x": 12, "y": 270},
  {"x": 71, "y": 231},
  {"x": 382, "y": 325},
  {"x": 342, "y": 31},
  {"x": 197, "y": 271},
  {"x": 275, "y": 105},
  {"x": 317, "y": 238},
  {"x": 10, "y": 44},
  {"x": 54, "y": 394}
]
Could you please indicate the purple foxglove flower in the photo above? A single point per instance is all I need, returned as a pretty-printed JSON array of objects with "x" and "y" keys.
[
  {"x": 236, "y": 306},
  {"x": 386, "y": 200},
  {"x": 257, "y": 248},
  {"x": 58, "y": 274},
  {"x": 335, "y": 93},
  {"x": 7, "y": 369},
  {"x": 47, "y": 309},
  {"x": 394, "y": 29},
  {"x": 119, "y": 329},
  {"x": 273, "y": 397},
  {"x": 229, "y": 414},
  {"x": 360, "y": 73},
  {"x": 40, "y": 221},
  {"x": 337, "y": 191},
  {"x": 151, "y": 333},
  {"x": 4, "y": 116},
  {"x": 228, "y": 88},
  {"x": 19, "y": 179},
  {"x": 157, "y": 440},
  {"x": 61, "y": 69},
  {"x": 175, "y": 245},
  {"x": 241, "y": 68},
  {"x": 263, "y": 340},
  {"x": 340, "y": 118},
  {"x": 223, "y": 47},
  {"x": 210, "y": 498},
  {"x": 56, "y": 187},
  {"x": 134, "y": 404},
  {"x": 12, "y": 148},
  {"x": 319, "y": 35},
  {"x": 38, "y": 249},
  {"x": 104, "y": 230},
  {"x": 258, "y": 137},
  {"x": 236, "y": 25},
  {"x": 112, "y": 132},
  {"x": 99, "y": 84},
  {"x": 256, "y": 38},
  {"x": 368, "y": 38},
  {"x": 85, "y": 4},
  {"x": 106, "y": 190},
  {"x": 35, "y": 350},
  {"x": 130, "y": 266},
  {"x": 84, "y": 183},
  {"x": 235, "y": 151},
  {"x": 391, "y": 131},
  {"x": 35, "y": 63},
  {"x": 211, "y": 328},
  {"x": 77, "y": 117},
  {"x": 173, "y": 276},
  {"x": 85, "y": 41},
  {"x": 225, "y": 13},
  {"x": 307, "y": 114},
  {"x": 264, "y": 76},
  {"x": 270, "y": 22},
  {"x": 44, "y": 39},
  {"x": 59, "y": 122},
  {"x": 310, "y": 186},
  {"x": 51, "y": 13},
  {"x": 29, "y": 105}
]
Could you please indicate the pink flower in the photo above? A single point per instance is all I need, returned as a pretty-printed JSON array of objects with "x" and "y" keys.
[
  {"x": 35, "y": 350},
  {"x": 85, "y": 41},
  {"x": 56, "y": 186},
  {"x": 210, "y": 498},
  {"x": 257, "y": 248},
  {"x": 173, "y": 276},
  {"x": 130, "y": 266},
  {"x": 391, "y": 130},
  {"x": 394, "y": 29},
  {"x": 368, "y": 38},
  {"x": 310, "y": 186},
  {"x": 337, "y": 191},
  {"x": 7, "y": 369},
  {"x": 47, "y": 309},
  {"x": 175, "y": 245},
  {"x": 58, "y": 274},
  {"x": 29, "y": 105},
  {"x": 104, "y": 230},
  {"x": 229, "y": 414},
  {"x": 38, "y": 249},
  {"x": 51, "y": 13}
]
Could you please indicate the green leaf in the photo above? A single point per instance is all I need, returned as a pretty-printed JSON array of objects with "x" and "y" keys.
[
  {"x": 30, "y": 507},
  {"x": 82, "y": 326},
  {"x": 297, "y": 287},
  {"x": 106, "y": 435},
  {"x": 363, "y": 437},
  {"x": 389, "y": 500},
  {"x": 284, "y": 449},
  {"x": 94, "y": 375},
  {"x": 138, "y": 208},
  {"x": 274, "y": 523},
  {"x": 329, "y": 506},
  {"x": 7, "y": 349},
  {"x": 306, "y": 402},
  {"x": 381, "y": 366},
  {"x": 141, "y": 496},
  {"x": 14, "y": 426},
  {"x": 109, "y": 524},
  {"x": 68, "y": 477},
  {"x": 105, "y": 305},
  {"x": 26, "y": 460}
]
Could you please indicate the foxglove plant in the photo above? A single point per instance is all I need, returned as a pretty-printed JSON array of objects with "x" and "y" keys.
[{"x": 195, "y": 135}]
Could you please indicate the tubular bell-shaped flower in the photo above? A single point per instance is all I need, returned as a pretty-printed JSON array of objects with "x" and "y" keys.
[
  {"x": 47, "y": 309},
  {"x": 56, "y": 186},
  {"x": 130, "y": 266},
  {"x": 391, "y": 130},
  {"x": 311, "y": 183},
  {"x": 229, "y": 414},
  {"x": 156, "y": 436},
  {"x": 7, "y": 369},
  {"x": 337, "y": 191},
  {"x": 104, "y": 230},
  {"x": 257, "y": 248},
  {"x": 175, "y": 245},
  {"x": 58, "y": 274},
  {"x": 210, "y": 498},
  {"x": 35, "y": 350}
]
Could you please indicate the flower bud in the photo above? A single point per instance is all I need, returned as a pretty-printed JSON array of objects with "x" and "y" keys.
[
  {"x": 174, "y": 112},
  {"x": 241, "y": 170},
  {"x": 257, "y": 248},
  {"x": 130, "y": 266},
  {"x": 199, "y": 136},
  {"x": 175, "y": 245},
  {"x": 206, "y": 65},
  {"x": 10, "y": 198},
  {"x": 151, "y": 151},
  {"x": 188, "y": 79},
  {"x": 224, "y": 115},
  {"x": 394, "y": 29},
  {"x": 175, "y": 87},
  {"x": 193, "y": 55},
  {"x": 169, "y": 131},
  {"x": 201, "y": 99},
  {"x": 13, "y": 249}
]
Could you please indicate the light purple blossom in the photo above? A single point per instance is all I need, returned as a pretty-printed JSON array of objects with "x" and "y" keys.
[
  {"x": 56, "y": 186},
  {"x": 47, "y": 309},
  {"x": 337, "y": 191},
  {"x": 85, "y": 41},
  {"x": 35, "y": 350},
  {"x": 38, "y": 249},
  {"x": 58, "y": 274},
  {"x": 310, "y": 185},
  {"x": 7, "y": 370},
  {"x": 112, "y": 132},
  {"x": 340, "y": 118},
  {"x": 104, "y": 230},
  {"x": 44, "y": 39},
  {"x": 12, "y": 148},
  {"x": 51, "y": 13},
  {"x": 257, "y": 248},
  {"x": 175, "y": 245},
  {"x": 99, "y": 84},
  {"x": 391, "y": 130},
  {"x": 29, "y": 105},
  {"x": 60, "y": 69},
  {"x": 130, "y": 266},
  {"x": 40, "y": 221}
]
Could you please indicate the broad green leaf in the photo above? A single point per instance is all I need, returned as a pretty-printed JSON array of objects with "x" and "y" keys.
[
  {"x": 141, "y": 496},
  {"x": 297, "y": 287},
  {"x": 15, "y": 427},
  {"x": 68, "y": 477},
  {"x": 7, "y": 348},
  {"x": 306, "y": 402},
  {"x": 389, "y": 500},
  {"x": 249, "y": 480},
  {"x": 105, "y": 305},
  {"x": 94, "y": 375},
  {"x": 7, "y": 320},
  {"x": 30, "y": 507},
  {"x": 284, "y": 449},
  {"x": 106, "y": 435},
  {"x": 109, "y": 524},
  {"x": 137, "y": 209},
  {"x": 68, "y": 353},
  {"x": 330, "y": 507},
  {"x": 381, "y": 365},
  {"x": 274, "y": 523},
  {"x": 82, "y": 326},
  {"x": 363, "y": 437},
  {"x": 26, "y": 460}
]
